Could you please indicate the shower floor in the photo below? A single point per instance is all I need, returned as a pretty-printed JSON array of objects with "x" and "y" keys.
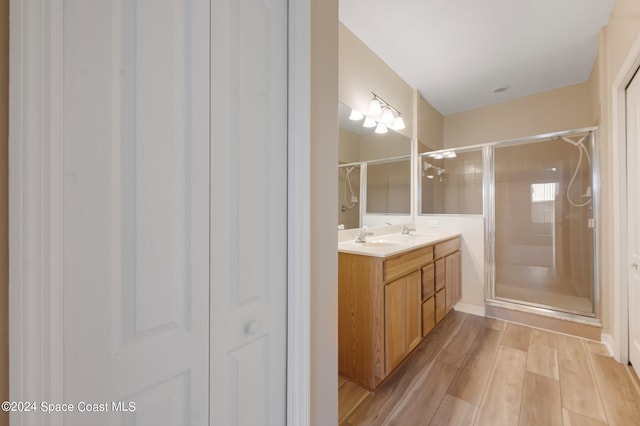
[{"x": 539, "y": 285}]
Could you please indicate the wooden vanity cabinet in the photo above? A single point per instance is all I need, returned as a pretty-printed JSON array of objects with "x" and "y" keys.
[{"x": 387, "y": 305}]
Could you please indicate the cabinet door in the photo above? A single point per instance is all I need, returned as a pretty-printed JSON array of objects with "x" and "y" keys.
[
  {"x": 428, "y": 315},
  {"x": 395, "y": 296},
  {"x": 440, "y": 305},
  {"x": 413, "y": 310},
  {"x": 457, "y": 277},
  {"x": 449, "y": 279}
]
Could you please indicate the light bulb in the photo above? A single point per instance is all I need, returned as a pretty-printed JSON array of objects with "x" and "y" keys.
[
  {"x": 356, "y": 115},
  {"x": 387, "y": 117},
  {"x": 438, "y": 156},
  {"x": 369, "y": 122},
  {"x": 398, "y": 123},
  {"x": 429, "y": 176},
  {"x": 374, "y": 108},
  {"x": 381, "y": 128},
  {"x": 449, "y": 154}
]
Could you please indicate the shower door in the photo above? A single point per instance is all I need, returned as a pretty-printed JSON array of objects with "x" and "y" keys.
[{"x": 544, "y": 226}]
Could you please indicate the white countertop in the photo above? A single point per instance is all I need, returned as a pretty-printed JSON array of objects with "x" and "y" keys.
[{"x": 392, "y": 244}]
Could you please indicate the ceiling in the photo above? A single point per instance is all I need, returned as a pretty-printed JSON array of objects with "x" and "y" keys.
[{"x": 456, "y": 52}]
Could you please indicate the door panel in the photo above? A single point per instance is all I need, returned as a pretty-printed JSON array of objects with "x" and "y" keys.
[
  {"x": 633, "y": 213},
  {"x": 136, "y": 209},
  {"x": 248, "y": 211},
  {"x": 395, "y": 296}
]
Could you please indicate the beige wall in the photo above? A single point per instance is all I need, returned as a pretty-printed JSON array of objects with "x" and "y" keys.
[
  {"x": 594, "y": 93},
  {"x": 361, "y": 72},
  {"x": 4, "y": 206},
  {"x": 616, "y": 40},
  {"x": 324, "y": 187},
  {"x": 561, "y": 109},
  {"x": 430, "y": 127}
]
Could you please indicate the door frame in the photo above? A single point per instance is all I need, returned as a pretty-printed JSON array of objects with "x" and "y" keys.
[
  {"x": 36, "y": 137},
  {"x": 299, "y": 216},
  {"x": 35, "y": 206},
  {"x": 620, "y": 339}
]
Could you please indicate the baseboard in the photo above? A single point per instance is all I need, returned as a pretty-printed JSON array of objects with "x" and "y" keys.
[
  {"x": 470, "y": 309},
  {"x": 607, "y": 341}
]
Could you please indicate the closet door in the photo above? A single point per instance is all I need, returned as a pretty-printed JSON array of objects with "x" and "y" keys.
[
  {"x": 136, "y": 211},
  {"x": 248, "y": 211}
]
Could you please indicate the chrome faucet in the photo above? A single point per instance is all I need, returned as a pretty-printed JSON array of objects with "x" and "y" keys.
[
  {"x": 407, "y": 230},
  {"x": 362, "y": 238}
]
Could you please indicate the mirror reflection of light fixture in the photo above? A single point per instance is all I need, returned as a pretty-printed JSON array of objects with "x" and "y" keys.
[
  {"x": 381, "y": 128},
  {"x": 356, "y": 115},
  {"x": 441, "y": 155},
  {"x": 369, "y": 122}
]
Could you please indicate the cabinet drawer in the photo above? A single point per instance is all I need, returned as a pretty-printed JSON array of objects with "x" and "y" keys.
[
  {"x": 401, "y": 265},
  {"x": 428, "y": 315},
  {"x": 428, "y": 280},
  {"x": 441, "y": 305},
  {"x": 447, "y": 247}
]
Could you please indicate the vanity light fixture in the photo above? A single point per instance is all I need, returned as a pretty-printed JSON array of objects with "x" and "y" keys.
[
  {"x": 356, "y": 115},
  {"x": 398, "y": 123},
  {"x": 375, "y": 109},
  {"x": 380, "y": 111},
  {"x": 387, "y": 117}
]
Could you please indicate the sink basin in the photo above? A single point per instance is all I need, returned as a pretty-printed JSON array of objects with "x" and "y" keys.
[{"x": 379, "y": 243}]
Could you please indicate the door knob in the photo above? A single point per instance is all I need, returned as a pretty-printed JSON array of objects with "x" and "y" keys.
[
  {"x": 251, "y": 328},
  {"x": 634, "y": 266}
]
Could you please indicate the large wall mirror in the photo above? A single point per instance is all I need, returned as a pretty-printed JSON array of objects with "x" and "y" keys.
[{"x": 374, "y": 177}]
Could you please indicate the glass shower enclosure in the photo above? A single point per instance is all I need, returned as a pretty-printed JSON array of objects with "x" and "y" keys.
[{"x": 540, "y": 204}]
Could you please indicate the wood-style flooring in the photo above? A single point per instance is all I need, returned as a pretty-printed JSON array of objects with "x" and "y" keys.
[{"x": 480, "y": 371}]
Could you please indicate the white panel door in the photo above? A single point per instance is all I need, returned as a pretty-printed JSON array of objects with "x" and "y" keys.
[
  {"x": 248, "y": 211},
  {"x": 136, "y": 210},
  {"x": 633, "y": 215}
]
